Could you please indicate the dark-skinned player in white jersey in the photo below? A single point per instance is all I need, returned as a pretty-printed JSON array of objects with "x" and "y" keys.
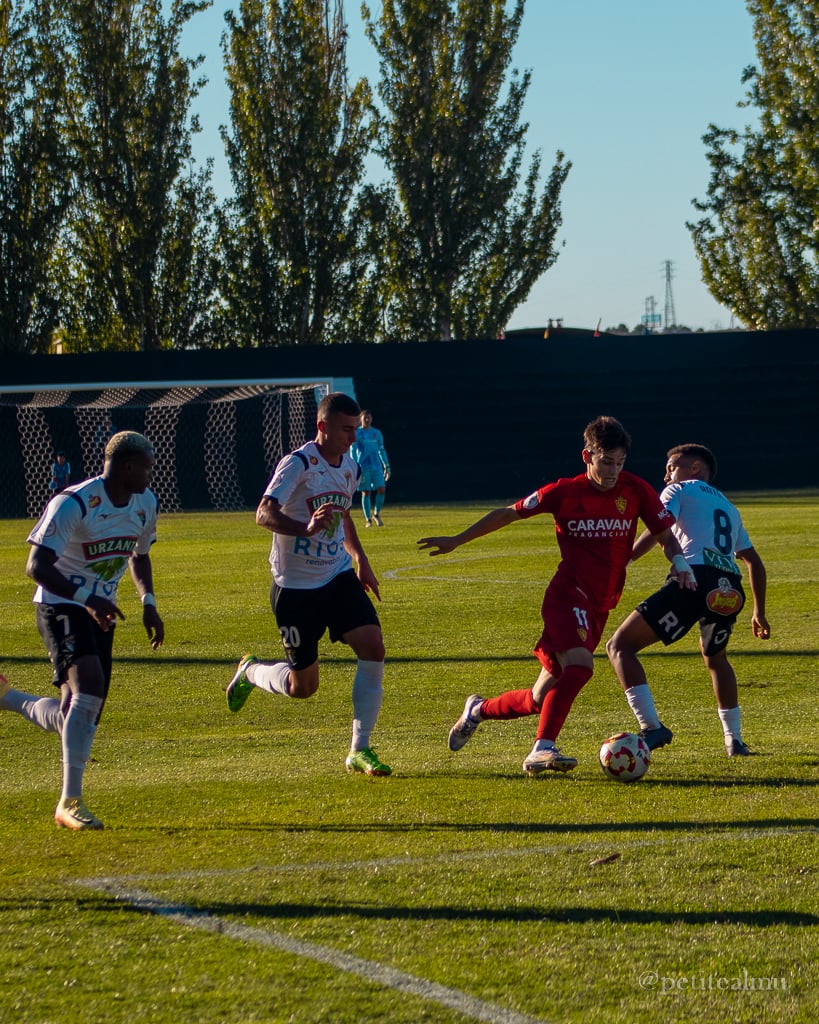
[
  {"x": 86, "y": 538},
  {"x": 710, "y": 531},
  {"x": 596, "y": 516}
]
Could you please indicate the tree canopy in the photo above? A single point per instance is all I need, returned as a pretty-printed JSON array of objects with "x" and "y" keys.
[
  {"x": 467, "y": 244},
  {"x": 758, "y": 240},
  {"x": 300, "y": 135}
]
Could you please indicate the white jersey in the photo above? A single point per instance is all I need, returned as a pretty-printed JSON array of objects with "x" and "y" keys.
[
  {"x": 708, "y": 527},
  {"x": 93, "y": 538},
  {"x": 303, "y": 481}
]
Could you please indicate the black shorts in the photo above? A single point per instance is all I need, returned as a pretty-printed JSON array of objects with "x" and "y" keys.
[
  {"x": 715, "y": 604},
  {"x": 303, "y": 616},
  {"x": 69, "y": 633}
]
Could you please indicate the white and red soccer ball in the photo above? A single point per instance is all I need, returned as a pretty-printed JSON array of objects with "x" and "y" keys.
[{"x": 625, "y": 757}]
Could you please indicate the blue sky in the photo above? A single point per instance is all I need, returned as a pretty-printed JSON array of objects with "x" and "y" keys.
[{"x": 626, "y": 90}]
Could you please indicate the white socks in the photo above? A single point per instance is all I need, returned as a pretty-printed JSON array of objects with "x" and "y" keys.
[
  {"x": 42, "y": 711},
  {"x": 78, "y": 733},
  {"x": 642, "y": 704},
  {"x": 273, "y": 676},
  {"x": 367, "y": 694},
  {"x": 730, "y": 723}
]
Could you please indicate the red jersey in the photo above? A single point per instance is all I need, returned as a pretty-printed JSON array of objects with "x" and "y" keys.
[{"x": 596, "y": 530}]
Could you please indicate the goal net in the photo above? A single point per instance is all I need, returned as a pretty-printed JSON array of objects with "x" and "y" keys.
[{"x": 216, "y": 443}]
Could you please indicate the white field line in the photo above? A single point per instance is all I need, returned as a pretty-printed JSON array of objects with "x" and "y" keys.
[{"x": 382, "y": 974}]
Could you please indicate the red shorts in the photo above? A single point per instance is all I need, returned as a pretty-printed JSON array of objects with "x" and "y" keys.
[{"x": 568, "y": 622}]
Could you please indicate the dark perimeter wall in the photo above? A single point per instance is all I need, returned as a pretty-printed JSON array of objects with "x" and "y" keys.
[{"x": 492, "y": 420}]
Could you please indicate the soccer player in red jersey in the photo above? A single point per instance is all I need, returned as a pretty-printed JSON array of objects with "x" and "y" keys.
[{"x": 596, "y": 516}]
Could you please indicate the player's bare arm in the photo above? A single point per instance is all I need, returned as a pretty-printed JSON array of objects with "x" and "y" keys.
[
  {"x": 41, "y": 568},
  {"x": 644, "y": 543},
  {"x": 492, "y": 521},
  {"x": 679, "y": 566},
  {"x": 269, "y": 515},
  {"x": 143, "y": 577},
  {"x": 363, "y": 569},
  {"x": 758, "y": 580}
]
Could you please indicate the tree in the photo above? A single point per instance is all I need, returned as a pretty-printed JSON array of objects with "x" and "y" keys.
[
  {"x": 35, "y": 178},
  {"x": 759, "y": 239},
  {"x": 468, "y": 244},
  {"x": 135, "y": 261},
  {"x": 293, "y": 240}
]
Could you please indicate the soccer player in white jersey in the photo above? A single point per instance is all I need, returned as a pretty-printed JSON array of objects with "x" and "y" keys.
[
  {"x": 321, "y": 576},
  {"x": 87, "y": 537},
  {"x": 369, "y": 452},
  {"x": 710, "y": 531}
]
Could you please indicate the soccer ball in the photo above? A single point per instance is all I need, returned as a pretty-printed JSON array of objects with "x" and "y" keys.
[{"x": 625, "y": 757}]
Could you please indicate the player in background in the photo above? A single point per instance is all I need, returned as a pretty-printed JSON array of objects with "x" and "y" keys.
[
  {"x": 710, "y": 531},
  {"x": 320, "y": 578},
  {"x": 369, "y": 452},
  {"x": 60, "y": 473},
  {"x": 596, "y": 515},
  {"x": 80, "y": 548}
]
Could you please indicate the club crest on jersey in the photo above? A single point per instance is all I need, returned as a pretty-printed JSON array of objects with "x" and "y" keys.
[
  {"x": 621, "y": 503},
  {"x": 725, "y": 600},
  {"x": 582, "y": 633},
  {"x": 94, "y": 501},
  {"x": 313, "y": 460}
]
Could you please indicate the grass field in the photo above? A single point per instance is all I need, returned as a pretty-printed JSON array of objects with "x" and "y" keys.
[{"x": 243, "y": 875}]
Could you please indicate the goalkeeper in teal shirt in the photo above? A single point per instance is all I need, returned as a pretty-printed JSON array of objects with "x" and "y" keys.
[{"x": 369, "y": 452}]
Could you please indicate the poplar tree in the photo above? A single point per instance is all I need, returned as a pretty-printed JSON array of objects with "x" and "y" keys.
[
  {"x": 468, "y": 237},
  {"x": 135, "y": 259},
  {"x": 293, "y": 245},
  {"x": 759, "y": 239},
  {"x": 35, "y": 177}
]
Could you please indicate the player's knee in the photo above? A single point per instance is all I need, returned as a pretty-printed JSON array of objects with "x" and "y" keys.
[
  {"x": 303, "y": 684},
  {"x": 367, "y": 643},
  {"x": 373, "y": 650},
  {"x": 614, "y": 647}
]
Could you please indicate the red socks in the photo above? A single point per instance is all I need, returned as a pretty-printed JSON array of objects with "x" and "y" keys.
[
  {"x": 558, "y": 701},
  {"x": 512, "y": 704}
]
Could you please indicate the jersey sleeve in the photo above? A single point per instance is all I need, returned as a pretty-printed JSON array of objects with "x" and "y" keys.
[
  {"x": 382, "y": 451},
  {"x": 57, "y": 524},
  {"x": 656, "y": 515},
  {"x": 286, "y": 478},
  {"x": 147, "y": 538},
  {"x": 544, "y": 499},
  {"x": 743, "y": 541}
]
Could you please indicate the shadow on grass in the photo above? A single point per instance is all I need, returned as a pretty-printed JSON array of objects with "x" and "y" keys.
[
  {"x": 292, "y": 911},
  {"x": 312, "y": 911},
  {"x": 453, "y": 659},
  {"x": 530, "y": 828}
]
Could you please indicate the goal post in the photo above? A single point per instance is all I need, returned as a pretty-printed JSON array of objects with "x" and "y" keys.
[{"x": 216, "y": 441}]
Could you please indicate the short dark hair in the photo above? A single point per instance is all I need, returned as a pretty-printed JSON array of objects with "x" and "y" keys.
[
  {"x": 605, "y": 433},
  {"x": 337, "y": 401},
  {"x": 696, "y": 451}
]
